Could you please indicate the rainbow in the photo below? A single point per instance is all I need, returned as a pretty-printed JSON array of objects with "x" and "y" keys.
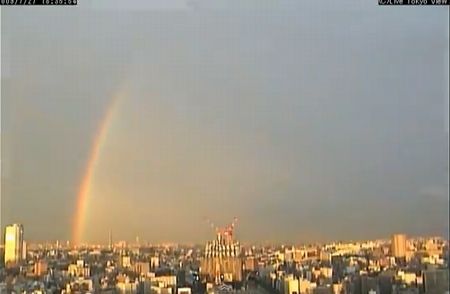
[{"x": 86, "y": 182}]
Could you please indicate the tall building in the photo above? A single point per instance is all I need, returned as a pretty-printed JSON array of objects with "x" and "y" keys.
[
  {"x": 110, "y": 242},
  {"x": 13, "y": 244},
  {"x": 222, "y": 261},
  {"x": 398, "y": 245}
]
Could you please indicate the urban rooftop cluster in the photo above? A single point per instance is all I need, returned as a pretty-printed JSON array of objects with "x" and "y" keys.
[{"x": 399, "y": 265}]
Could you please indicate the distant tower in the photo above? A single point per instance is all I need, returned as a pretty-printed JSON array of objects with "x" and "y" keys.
[
  {"x": 398, "y": 245},
  {"x": 110, "y": 244},
  {"x": 14, "y": 244}
]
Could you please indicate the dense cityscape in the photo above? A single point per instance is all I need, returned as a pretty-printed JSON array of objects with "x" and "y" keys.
[{"x": 396, "y": 265}]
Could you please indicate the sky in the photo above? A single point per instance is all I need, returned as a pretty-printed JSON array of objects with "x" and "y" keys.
[{"x": 307, "y": 120}]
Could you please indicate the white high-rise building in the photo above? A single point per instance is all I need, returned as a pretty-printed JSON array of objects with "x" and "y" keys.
[
  {"x": 13, "y": 244},
  {"x": 398, "y": 245}
]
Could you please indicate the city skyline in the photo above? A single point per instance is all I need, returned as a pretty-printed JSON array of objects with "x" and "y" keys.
[
  {"x": 306, "y": 130},
  {"x": 401, "y": 265},
  {"x": 110, "y": 241}
]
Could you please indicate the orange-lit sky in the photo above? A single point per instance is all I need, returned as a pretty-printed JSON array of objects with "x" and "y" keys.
[{"x": 306, "y": 120}]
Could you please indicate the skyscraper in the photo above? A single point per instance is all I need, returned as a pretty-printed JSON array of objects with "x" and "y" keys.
[
  {"x": 110, "y": 245},
  {"x": 398, "y": 245},
  {"x": 13, "y": 244}
]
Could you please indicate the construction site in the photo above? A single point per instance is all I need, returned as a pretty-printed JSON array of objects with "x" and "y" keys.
[{"x": 222, "y": 261}]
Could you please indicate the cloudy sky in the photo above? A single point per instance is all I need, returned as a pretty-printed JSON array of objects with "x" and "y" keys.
[{"x": 308, "y": 120}]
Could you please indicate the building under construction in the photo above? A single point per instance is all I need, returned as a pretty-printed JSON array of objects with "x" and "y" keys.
[{"x": 222, "y": 262}]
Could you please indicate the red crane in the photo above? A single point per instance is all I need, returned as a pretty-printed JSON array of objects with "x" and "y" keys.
[{"x": 226, "y": 231}]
